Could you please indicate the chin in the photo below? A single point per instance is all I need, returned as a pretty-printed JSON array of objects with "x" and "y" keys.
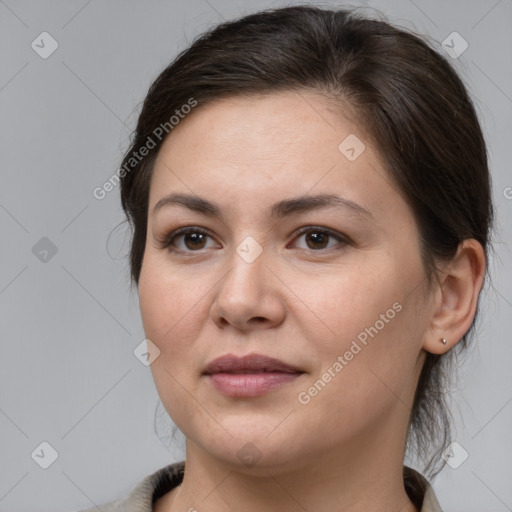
[
  {"x": 259, "y": 457},
  {"x": 253, "y": 448}
]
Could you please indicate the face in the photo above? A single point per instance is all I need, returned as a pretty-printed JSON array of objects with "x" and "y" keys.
[{"x": 302, "y": 250}]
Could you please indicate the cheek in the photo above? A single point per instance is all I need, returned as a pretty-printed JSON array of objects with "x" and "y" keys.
[
  {"x": 170, "y": 322},
  {"x": 169, "y": 303},
  {"x": 346, "y": 301},
  {"x": 172, "y": 310},
  {"x": 369, "y": 317}
]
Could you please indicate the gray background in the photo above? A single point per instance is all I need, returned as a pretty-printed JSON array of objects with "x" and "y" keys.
[{"x": 69, "y": 325}]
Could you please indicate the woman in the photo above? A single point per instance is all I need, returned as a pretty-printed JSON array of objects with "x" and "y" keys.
[{"x": 309, "y": 196}]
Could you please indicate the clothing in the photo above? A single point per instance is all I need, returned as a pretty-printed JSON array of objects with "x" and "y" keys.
[{"x": 148, "y": 490}]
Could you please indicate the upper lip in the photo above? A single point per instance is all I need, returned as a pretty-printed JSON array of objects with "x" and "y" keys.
[{"x": 230, "y": 363}]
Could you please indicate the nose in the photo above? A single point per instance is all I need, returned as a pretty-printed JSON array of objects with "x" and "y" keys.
[{"x": 249, "y": 296}]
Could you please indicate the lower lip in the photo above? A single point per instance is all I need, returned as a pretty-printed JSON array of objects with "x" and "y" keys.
[{"x": 250, "y": 384}]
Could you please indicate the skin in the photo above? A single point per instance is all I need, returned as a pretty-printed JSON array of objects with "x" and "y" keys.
[{"x": 301, "y": 301}]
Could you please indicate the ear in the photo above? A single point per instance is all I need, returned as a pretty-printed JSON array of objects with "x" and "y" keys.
[{"x": 456, "y": 297}]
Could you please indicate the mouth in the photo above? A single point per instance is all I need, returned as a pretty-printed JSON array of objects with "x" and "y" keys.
[{"x": 249, "y": 376}]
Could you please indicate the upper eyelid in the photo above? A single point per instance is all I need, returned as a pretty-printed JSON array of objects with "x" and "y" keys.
[
  {"x": 184, "y": 231},
  {"x": 312, "y": 227}
]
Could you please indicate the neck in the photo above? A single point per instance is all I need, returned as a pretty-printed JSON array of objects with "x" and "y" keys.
[{"x": 364, "y": 477}]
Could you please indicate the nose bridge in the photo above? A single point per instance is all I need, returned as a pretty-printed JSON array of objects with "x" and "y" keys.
[
  {"x": 249, "y": 250},
  {"x": 247, "y": 266},
  {"x": 246, "y": 291}
]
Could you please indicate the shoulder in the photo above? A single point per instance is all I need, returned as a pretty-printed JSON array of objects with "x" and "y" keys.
[{"x": 146, "y": 492}]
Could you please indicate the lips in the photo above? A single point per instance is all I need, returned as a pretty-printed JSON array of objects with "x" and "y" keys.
[
  {"x": 251, "y": 363},
  {"x": 249, "y": 376}
]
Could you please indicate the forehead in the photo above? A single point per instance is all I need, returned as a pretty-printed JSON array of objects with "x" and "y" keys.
[
  {"x": 260, "y": 149},
  {"x": 276, "y": 121}
]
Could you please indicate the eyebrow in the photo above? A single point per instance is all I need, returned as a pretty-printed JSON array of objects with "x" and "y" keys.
[{"x": 279, "y": 210}]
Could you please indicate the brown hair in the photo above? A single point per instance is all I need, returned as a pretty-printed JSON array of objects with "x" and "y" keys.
[{"x": 407, "y": 98}]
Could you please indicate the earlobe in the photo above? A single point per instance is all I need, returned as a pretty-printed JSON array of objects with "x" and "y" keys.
[{"x": 460, "y": 282}]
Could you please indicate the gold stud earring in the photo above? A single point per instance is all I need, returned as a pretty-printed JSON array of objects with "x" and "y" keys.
[{"x": 443, "y": 341}]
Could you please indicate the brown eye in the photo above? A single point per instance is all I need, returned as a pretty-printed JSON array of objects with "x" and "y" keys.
[
  {"x": 187, "y": 240},
  {"x": 317, "y": 239},
  {"x": 194, "y": 240}
]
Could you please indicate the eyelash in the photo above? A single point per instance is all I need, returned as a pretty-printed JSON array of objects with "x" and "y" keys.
[{"x": 166, "y": 242}]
